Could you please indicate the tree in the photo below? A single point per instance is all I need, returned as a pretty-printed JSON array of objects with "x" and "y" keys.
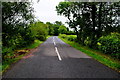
[
  {"x": 50, "y": 28},
  {"x": 39, "y": 30},
  {"x": 90, "y": 20},
  {"x": 56, "y": 26},
  {"x": 62, "y": 29},
  {"x": 15, "y": 19},
  {"x": 67, "y": 9}
]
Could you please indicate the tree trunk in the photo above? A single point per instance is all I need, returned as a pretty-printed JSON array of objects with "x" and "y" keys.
[
  {"x": 94, "y": 9},
  {"x": 99, "y": 19}
]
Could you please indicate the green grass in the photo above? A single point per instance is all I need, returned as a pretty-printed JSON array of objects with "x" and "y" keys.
[
  {"x": 48, "y": 36},
  {"x": 97, "y": 55},
  {"x": 6, "y": 64},
  {"x": 34, "y": 45}
]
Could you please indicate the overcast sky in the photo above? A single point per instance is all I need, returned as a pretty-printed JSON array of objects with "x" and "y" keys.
[{"x": 45, "y": 11}]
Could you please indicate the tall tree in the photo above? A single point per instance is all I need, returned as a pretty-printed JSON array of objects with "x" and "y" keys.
[
  {"x": 15, "y": 19},
  {"x": 91, "y": 20}
]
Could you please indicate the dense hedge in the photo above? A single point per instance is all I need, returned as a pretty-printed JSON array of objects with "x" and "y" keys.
[
  {"x": 110, "y": 44},
  {"x": 68, "y": 37},
  {"x": 41, "y": 37}
]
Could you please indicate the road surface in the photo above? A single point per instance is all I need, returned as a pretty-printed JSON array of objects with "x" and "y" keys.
[{"x": 56, "y": 59}]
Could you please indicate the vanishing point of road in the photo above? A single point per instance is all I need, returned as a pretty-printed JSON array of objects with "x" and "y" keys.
[{"x": 56, "y": 59}]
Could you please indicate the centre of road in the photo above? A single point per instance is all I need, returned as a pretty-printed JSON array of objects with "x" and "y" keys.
[
  {"x": 54, "y": 43},
  {"x": 58, "y": 53},
  {"x": 56, "y": 49}
]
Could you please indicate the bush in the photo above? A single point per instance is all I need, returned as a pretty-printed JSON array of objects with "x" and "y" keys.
[
  {"x": 6, "y": 51},
  {"x": 71, "y": 38},
  {"x": 87, "y": 41},
  {"x": 110, "y": 44},
  {"x": 39, "y": 31},
  {"x": 41, "y": 37},
  {"x": 68, "y": 37},
  {"x": 63, "y": 35}
]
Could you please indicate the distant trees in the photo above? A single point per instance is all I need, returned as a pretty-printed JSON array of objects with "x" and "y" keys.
[
  {"x": 50, "y": 28},
  {"x": 39, "y": 30},
  {"x": 91, "y": 20},
  {"x": 62, "y": 29},
  {"x": 57, "y": 28}
]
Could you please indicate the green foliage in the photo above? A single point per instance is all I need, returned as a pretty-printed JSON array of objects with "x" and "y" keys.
[
  {"x": 70, "y": 33},
  {"x": 97, "y": 55},
  {"x": 87, "y": 41},
  {"x": 18, "y": 29},
  {"x": 71, "y": 37},
  {"x": 35, "y": 44},
  {"x": 39, "y": 30},
  {"x": 62, "y": 29},
  {"x": 15, "y": 18},
  {"x": 90, "y": 20},
  {"x": 50, "y": 28},
  {"x": 7, "y": 54},
  {"x": 68, "y": 37},
  {"x": 56, "y": 28},
  {"x": 7, "y": 51},
  {"x": 110, "y": 44},
  {"x": 41, "y": 37},
  {"x": 63, "y": 35}
]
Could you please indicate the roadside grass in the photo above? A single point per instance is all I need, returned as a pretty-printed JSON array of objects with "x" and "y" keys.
[
  {"x": 6, "y": 64},
  {"x": 97, "y": 55},
  {"x": 34, "y": 45},
  {"x": 48, "y": 36}
]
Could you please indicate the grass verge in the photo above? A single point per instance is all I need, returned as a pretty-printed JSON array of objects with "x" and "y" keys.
[
  {"x": 97, "y": 55},
  {"x": 34, "y": 45},
  {"x": 48, "y": 36},
  {"x": 6, "y": 64}
]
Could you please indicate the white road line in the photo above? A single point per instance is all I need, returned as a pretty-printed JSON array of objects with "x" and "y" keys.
[
  {"x": 53, "y": 39},
  {"x": 54, "y": 43},
  {"x": 57, "y": 50},
  {"x": 58, "y": 53}
]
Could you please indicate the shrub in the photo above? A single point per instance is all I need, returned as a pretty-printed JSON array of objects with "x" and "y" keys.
[
  {"x": 6, "y": 51},
  {"x": 63, "y": 35},
  {"x": 68, "y": 37},
  {"x": 39, "y": 31},
  {"x": 110, "y": 44},
  {"x": 71, "y": 38},
  {"x": 41, "y": 37},
  {"x": 87, "y": 41}
]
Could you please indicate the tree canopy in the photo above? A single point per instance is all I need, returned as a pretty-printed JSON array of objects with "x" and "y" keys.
[{"x": 91, "y": 20}]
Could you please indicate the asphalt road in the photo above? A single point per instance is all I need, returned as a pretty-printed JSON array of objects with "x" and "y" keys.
[{"x": 56, "y": 59}]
